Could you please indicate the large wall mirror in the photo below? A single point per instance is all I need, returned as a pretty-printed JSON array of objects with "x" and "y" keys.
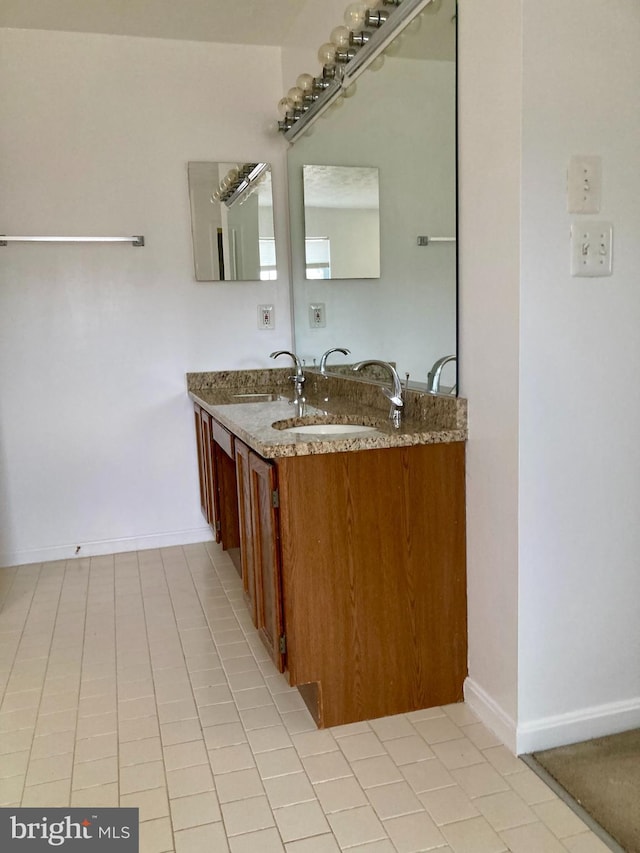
[
  {"x": 232, "y": 221},
  {"x": 402, "y": 122}
]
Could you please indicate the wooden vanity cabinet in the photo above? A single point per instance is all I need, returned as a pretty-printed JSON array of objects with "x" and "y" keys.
[
  {"x": 354, "y": 570},
  {"x": 206, "y": 470},
  {"x": 217, "y": 477},
  {"x": 374, "y": 579},
  {"x": 260, "y": 547}
]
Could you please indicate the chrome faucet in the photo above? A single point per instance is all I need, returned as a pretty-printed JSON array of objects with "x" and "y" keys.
[
  {"x": 433, "y": 377},
  {"x": 394, "y": 396},
  {"x": 298, "y": 379},
  {"x": 323, "y": 360}
]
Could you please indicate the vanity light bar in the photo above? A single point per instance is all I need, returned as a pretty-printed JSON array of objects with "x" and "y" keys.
[
  {"x": 399, "y": 18},
  {"x": 386, "y": 26},
  {"x": 258, "y": 170}
]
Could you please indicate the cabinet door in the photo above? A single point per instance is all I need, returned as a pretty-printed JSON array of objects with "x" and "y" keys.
[
  {"x": 202, "y": 477},
  {"x": 213, "y": 515},
  {"x": 246, "y": 531},
  {"x": 266, "y": 554}
]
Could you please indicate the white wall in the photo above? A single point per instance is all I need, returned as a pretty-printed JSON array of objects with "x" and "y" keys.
[
  {"x": 354, "y": 239},
  {"x": 547, "y": 364},
  {"x": 489, "y": 244},
  {"x": 96, "y": 435},
  {"x": 580, "y": 454}
]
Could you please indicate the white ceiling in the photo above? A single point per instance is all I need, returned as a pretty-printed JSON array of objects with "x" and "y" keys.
[
  {"x": 265, "y": 22},
  {"x": 232, "y": 21}
]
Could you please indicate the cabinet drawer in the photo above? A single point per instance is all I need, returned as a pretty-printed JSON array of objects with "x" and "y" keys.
[{"x": 223, "y": 438}]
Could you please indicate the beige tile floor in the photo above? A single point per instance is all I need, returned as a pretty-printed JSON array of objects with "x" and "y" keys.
[{"x": 138, "y": 680}]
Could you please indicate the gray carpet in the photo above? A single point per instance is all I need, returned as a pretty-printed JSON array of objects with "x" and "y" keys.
[{"x": 603, "y": 776}]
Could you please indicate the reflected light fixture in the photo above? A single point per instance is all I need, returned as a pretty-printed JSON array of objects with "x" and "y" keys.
[
  {"x": 239, "y": 182},
  {"x": 370, "y": 26}
]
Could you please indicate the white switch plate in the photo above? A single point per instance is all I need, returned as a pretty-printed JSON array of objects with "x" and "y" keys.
[
  {"x": 317, "y": 315},
  {"x": 584, "y": 184},
  {"x": 266, "y": 317},
  {"x": 591, "y": 248}
]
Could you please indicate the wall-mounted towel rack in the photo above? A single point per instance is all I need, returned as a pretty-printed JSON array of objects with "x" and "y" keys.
[
  {"x": 135, "y": 241},
  {"x": 427, "y": 241}
]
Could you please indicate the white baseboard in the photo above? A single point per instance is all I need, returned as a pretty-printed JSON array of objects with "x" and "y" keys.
[
  {"x": 106, "y": 546},
  {"x": 490, "y": 713},
  {"x": 576, "y": 726},
  {"x": 548, "y": 732}
]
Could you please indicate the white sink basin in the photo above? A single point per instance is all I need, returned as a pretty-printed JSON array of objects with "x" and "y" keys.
[{"x": 330, "y": 429}]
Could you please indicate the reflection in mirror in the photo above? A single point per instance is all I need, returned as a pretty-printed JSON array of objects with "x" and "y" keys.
[
  {"x": 232, "y": 221},
  {"x": 341, "y": 221},
  {"x": 402, "y": 120}
]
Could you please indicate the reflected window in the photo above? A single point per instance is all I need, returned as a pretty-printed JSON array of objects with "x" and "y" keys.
[
  {"x": 268, "y": 270},
  {"x": 318, "y": 257}
]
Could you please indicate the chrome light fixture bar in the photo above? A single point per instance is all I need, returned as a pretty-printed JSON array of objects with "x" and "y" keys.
[
  {"x": 238, "y": 181},
  {"x": 376, "y": 29}
]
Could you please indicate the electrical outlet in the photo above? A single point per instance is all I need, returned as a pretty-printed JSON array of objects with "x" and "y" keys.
[
  {"x": 266, "y": 317},
  {"x": 317, "y": 316},
  {"x": 591, "y": 248}
]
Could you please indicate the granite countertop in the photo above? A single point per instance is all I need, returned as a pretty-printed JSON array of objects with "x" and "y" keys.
[{"x": 248, "y": 403}]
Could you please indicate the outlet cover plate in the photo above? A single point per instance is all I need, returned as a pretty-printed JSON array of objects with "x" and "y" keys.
[
  {"x": 266, "y": 317},
  {"x": 317, "y": 315}
]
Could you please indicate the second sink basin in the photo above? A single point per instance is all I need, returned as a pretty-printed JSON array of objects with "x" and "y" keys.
[{"x": 329, "y": 429}]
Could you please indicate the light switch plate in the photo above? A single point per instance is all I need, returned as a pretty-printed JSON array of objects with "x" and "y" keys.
[
  {"x": 591, "y": 248},
  {"x": 584, "y": 184}
]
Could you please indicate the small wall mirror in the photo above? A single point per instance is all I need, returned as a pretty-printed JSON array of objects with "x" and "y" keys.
[
  {"x": 341, "y": 221},
  {"x": 232, "y": 221}
]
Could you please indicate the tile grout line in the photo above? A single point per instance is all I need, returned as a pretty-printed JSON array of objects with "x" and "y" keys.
[
  {"x": 155, "y": 695},
  {"x": 13, "y": 663},
  {"x": 206, "y": 617},
  {"x": 44, "y": 676},
  {"x": 316, "y": 800}
]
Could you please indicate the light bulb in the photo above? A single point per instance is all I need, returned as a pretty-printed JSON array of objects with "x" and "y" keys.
[
  {"x": 350, "y": 91},
  {"x": 215, "y": 197},
  {"x": 377, "y": 63},
  {"x": 394, "y": 48},
  {"x": 340, "y": 36},
  {"x": 285, "y": 105},
  {"x": 415, "y": 25},
  {"x": 226, "y": 182},
  {"x": 327, "y": 54},
  {"x": 355, "y": 15},
  {"x": 296, "y": 95},
  {"x": 233, "y": 174},
  {"x": 305, "y": 82}
]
